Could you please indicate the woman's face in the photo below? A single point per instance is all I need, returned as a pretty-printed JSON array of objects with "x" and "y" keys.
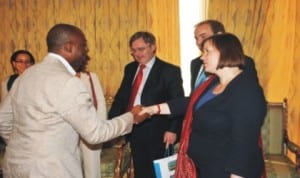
[
  {"x": 21, "y": 63},
  {"x": 210, "y": 57}
]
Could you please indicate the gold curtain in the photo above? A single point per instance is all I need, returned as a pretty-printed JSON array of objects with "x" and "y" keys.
[
  {"x": 108, "y": 25},
  {"x": 268, "y": 31}
]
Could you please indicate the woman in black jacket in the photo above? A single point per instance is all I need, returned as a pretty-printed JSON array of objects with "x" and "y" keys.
[{"x": 224, "y": 115}]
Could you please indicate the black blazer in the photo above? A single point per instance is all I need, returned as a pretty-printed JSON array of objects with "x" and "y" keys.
[
  {"x": 197, "y": 63},
  {"x": 164, "y": 83},
  {"x": 195, "y": 67}
]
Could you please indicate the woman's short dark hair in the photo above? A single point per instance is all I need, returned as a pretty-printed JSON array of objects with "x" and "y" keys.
[
  {"x": 147, "y": 37},
  {"x": 230, "y": 48},
  {"x": 16, "y": 53}
]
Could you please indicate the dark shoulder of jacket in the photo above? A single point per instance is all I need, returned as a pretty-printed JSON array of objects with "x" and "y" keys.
[
  {"x": 196, "y": 60},
  {"x": 249, "y": 61},
  {"x": 166, "y": 64},
  {"x": 130, "y": 65},
  {"x": 246, "y": 80}
]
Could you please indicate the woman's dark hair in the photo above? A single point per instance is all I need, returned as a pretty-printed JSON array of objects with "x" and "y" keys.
[
  {"x": 230, "y": 48},
  {"x": 16, "y": 53}
]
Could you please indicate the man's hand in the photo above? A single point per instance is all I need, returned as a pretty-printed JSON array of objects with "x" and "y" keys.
[
  {"x": 138, "y": 118},
  {"x": 169, "y": 138}
]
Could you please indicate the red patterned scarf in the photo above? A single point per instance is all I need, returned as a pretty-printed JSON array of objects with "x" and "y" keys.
[{"x": 185, "y": 167}]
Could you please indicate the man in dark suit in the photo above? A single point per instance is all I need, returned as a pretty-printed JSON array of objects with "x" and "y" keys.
[
  {"x": 202, "y": 31},
  {"x": 160, "y": 82}
]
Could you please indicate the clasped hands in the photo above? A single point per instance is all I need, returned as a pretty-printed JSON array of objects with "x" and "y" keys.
[{"x": 140, "y": 113}]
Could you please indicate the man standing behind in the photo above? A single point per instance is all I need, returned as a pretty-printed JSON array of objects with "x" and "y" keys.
[
  {"x": 48, "y": 107},
  {"x": 158, "y": 82},
  {"x": 202, "y": 31}
]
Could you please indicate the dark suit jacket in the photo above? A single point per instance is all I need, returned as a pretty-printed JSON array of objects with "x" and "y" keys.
[
  {"x": 225, "y": 130},
  {"x": 197, "y": 63},
  {"x": 195, "y": 67},
  {"x": 164, "y": 83}
]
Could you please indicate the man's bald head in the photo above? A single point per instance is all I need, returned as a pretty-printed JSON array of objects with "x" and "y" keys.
[{"x": 60, "y": 34}]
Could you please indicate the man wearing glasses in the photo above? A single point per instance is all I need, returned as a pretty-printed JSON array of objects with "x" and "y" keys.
[{"x": 148, "y": 80}]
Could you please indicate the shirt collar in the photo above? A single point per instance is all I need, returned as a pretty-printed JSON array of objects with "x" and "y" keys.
[
  {"x": 150, "y": 63},
  {"x": 64, "y": 62}
]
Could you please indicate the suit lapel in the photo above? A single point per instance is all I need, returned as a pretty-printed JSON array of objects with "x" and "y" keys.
[
  {"x": 153, "y": 77},
  {"x": 195, "y": 69},
  {"x": 132, "y": 71}
]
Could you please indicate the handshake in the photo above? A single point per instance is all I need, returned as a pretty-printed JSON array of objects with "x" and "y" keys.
[{"x": 141, "y": 113}]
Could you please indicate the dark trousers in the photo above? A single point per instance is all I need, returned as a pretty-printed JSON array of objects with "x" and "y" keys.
[{"x": 143, "y": 155}]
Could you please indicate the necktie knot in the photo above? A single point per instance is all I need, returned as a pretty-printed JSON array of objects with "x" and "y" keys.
[{"x": 142, "y": 66}]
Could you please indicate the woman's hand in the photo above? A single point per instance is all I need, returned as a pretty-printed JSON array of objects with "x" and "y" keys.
[
  {"x": 158, "y": 109},
  {"x": 235, "y": 176},
  {"x": 151, "y": 110}
]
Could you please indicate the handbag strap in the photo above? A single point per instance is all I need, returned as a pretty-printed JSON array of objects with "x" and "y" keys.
[
  {"x": 169, "y": 151},
  {"x": 93, "y": 91}
]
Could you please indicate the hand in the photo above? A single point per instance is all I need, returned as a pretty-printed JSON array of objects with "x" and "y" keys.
[
  {"x": 138, "y": 118},
  {"x": 235, "y": 176},
  {"x": 169, "y": 138},
  {"x": 150, "y": 110}
]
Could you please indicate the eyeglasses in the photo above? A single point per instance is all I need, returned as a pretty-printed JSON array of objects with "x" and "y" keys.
[
  {"x": 140, "y": 49},
  {"x": 23, "y": 62}
]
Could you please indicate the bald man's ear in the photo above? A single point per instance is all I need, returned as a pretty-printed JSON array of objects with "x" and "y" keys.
[{"x": 68, "y": 47}]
